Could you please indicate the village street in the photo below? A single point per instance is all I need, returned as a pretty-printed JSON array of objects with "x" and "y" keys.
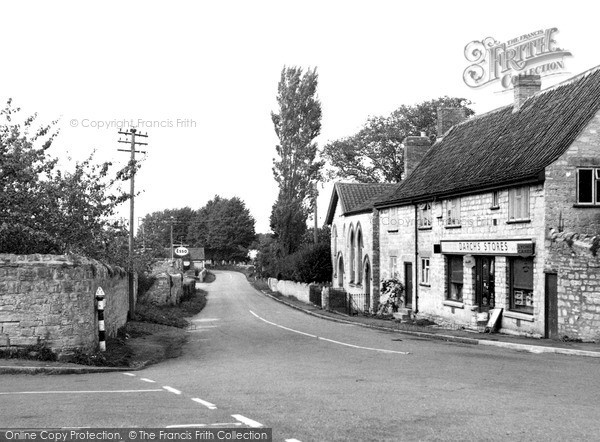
[{"x": 253, "y": 361}]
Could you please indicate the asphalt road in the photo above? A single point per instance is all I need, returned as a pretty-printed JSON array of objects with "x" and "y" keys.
[{"x": 252, "y": 361}]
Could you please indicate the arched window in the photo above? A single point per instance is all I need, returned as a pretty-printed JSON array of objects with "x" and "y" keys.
[
  {"x": 334, "y": 239},
  {"x": 352, "y": 263},
  {"x": 359, "y": 247}
]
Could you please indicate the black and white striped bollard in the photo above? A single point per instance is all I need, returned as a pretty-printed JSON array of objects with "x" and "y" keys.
[{"x": 101, "y": 330}]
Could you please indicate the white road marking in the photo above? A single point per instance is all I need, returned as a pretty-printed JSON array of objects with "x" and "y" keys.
[
  {"x": 219, "y": 424},
  {"x": 78, "y": 391},
  {"x": 147, "y": 380},
  {"x": 205, "y": 403},
  {"x": 292, "y": 440},
  {"x": 206, "y": 319},
  {"x": 128, "y": 374},
  {"x": 187, "y": 426},
  {"x": 246, "y": 421},
  {"x": 382, "y": 350},
  {"x": 171, "y": 389}
]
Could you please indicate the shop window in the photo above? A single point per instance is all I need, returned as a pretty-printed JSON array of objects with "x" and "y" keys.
[
  {"x": 518, "y": 204},
  {"x": 453, "y": 212},
  {"x": 425, "y": 215},
  {"x": 455, "y": 278},
  {"x": 521, "y": 285},
  {"x": 588, "y": 186},
  {"x": 425, "y": 271}
]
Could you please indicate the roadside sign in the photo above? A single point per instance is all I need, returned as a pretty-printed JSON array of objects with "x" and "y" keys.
[{"x": 181, "y": 251}]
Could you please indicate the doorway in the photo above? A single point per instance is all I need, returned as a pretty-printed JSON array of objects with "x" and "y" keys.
[
  {"x": 408, "y": 284},
  {"x": 341, "y": 272},
  {"x": 484, "y": 283},
  {"x": 551, "y": 306},
  {"x": 367, "y": 282}
]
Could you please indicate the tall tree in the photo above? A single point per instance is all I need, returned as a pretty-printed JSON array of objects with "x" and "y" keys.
[
  {"x": 297, "y": 123},
  {"x": 374, "y": 153}
]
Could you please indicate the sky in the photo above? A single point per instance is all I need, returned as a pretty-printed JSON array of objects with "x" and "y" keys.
[{"x": 201, "y": 77}]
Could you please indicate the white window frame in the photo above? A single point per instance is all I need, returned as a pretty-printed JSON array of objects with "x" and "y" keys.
[
  {"x": 519, "y": 205},
  {"x": 425, "y": 270},
  {"x": 425, "y": 215},
  {"x": 495, "y": 199},
  {"x": 393, "y": 267},
  {"x": 453, "y": 212},
  {"x": 595, "y": 179}
]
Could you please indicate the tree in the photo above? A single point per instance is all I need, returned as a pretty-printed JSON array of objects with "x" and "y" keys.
[
  {"x": 155, "y": 229},
  {"x": 297, "y": 124},
  {"x": 230, "y": 230},
  {"x": 46, "y": 210},
  {"x": 374, "y": 153}
]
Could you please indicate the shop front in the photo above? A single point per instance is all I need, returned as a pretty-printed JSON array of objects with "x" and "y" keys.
[{"x": 483, "y": 275}]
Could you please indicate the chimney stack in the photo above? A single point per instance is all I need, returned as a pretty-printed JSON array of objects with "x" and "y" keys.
[
  {"x": 415, "y": 149},
  {"x": 448, "y": 117},
  {"x": 525, "y": 86}
]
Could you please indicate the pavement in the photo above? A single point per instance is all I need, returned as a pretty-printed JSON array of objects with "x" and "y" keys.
[{"x": 519, "y": 343}]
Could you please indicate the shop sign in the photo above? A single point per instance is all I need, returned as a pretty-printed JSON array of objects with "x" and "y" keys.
[{"x": 519, "y": 247}]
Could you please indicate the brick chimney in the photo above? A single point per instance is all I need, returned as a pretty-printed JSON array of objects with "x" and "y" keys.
[
  {"x": 415, "y": 148},
  {"x": 525, "y": 86},
  {"x": 448, "y": 117}
]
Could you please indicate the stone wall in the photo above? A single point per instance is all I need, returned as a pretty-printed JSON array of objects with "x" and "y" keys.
[
  {"x": 576, "y": 261},
  {"x": 166, "y": 290},
  {"x": 298, "y": 290},
  {"x": 50, "y": 299}
]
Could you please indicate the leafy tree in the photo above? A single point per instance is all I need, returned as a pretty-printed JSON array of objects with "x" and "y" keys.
[
  {"x": 229, "y": 230},
  {"x": 374, "y": 153},
  {"x": 297, "y": 123},
  {"x": 155, "y": 229},
  {"x": 47, "y": 210}
]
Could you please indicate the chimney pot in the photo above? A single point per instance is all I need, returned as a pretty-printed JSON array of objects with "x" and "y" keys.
[{"x": 525, "y": 86}]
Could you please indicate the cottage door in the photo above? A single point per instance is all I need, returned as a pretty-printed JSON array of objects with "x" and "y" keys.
[
  {"x": 408, "y": 284},
  {"x": 484, "y": 283},
  {"x": 551, "y": 306}
]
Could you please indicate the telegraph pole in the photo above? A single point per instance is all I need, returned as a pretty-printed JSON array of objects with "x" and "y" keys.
[
  {"x": 132, "y": 143},
  {"x": 316, "y": 231}
]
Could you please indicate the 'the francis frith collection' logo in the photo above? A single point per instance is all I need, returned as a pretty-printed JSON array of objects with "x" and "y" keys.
[{"x": 535, "y": 53}]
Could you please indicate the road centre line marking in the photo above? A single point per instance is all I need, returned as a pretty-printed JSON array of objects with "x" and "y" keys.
[
  {"x": 171, "y": 389},
  {"x": 128, "y": 374},
  {"x": 245, "y": 420},
  {"x": 285, "y": 328},
  {"x": 205, "y": 403},
  {"x": 292, "y": 440},
  {"x": 78, "y": 391},
  {"x": 147, "y": 380},
  {"x": 382, "y": 350}
]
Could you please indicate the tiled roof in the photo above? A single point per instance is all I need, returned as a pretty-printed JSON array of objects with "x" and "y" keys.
[
  {"x": 504, "y": 147},
  {"x": 356, "y": 197}
]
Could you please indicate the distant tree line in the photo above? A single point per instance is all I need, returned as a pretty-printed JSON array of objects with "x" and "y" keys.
[{"x": 224, "y": 227}]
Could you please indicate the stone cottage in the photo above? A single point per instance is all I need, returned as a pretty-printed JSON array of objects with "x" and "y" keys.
[{"x": 487, "y": 221}]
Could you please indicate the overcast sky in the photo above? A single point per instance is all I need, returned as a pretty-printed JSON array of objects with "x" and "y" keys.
[{"x": 215, "y": 67}]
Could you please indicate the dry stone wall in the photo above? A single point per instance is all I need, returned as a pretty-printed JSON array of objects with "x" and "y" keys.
[{"x": 50, "y": 299}]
